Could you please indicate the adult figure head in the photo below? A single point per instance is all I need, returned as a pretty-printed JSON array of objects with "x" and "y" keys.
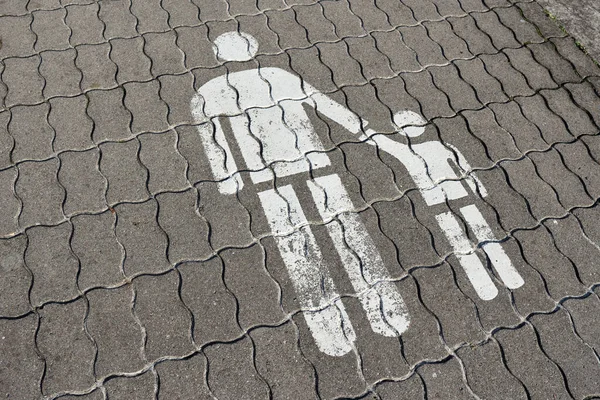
[{"x": 235, "y": 46}]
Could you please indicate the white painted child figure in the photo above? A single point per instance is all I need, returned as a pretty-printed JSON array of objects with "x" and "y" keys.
[
  {"x": 437, "y": 181},
  {"x": 264, "y": 108}
]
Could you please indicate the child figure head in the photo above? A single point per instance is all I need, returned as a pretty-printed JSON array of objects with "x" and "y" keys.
[
  {"x": 409, "y": 123},
  {"x": 235, "y": 46}
]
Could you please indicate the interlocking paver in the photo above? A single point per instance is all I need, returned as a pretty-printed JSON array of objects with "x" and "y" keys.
[
  {"x": 577, "y": 121},
  {"x": 40, "y": 193},
  {"x": 162, "y": 50},
  {"x": 196, "y": 46},
  {"x": 72, "y": 126},
  {"x": 134, "y": 388},
  {"x": 61, "y": 76},
  {"x": 124, "y": 183},
  {"x": 582, "y": 63},
  {"x": 21, "y": 368},
  {"x": 423, "y": 10},
  {"x": 118, "y": 20},
  {"x": 144, "y": 242},
  {"x": 412, "y": 388},
  {"x": 151, "y": 16},
  {"x": 17, "y": 38},
  {"x": 52, "y": 263},
  {"x": 167, "y": 323},
  {"x": 50, "y": 29},
  {"x": 9, "y": 205},
  {"x": 84, "y": 185},
  {"x": 148, "y": 109},
  {"x": 346, "y": 22},
  {"x": 372, "y": 18},
  {"x": 426, "y": 50},
  {"x": 290, "y": 34},
  {"x": 576, "y": 360},
  {"x": 476, "y": 41},
  {"x": 86, "y": 26},
  {"x": 579, "y": 309},
  {"x": 318, "y": 27},
  {"x": 132, "y": 63},
  {"x": 516, "y": 119},
  {"x": 29, "y": 123},
  {"x": 181, "y": 12},
  {"x": 15, "y": 277},
  {"x": 13, "y": 8},
  {"x": 499, "y": 34},
  {"x": 183, "y": 379},
  {"x": 23, "y": 80},
  {"x": 551, "y": 128},
  {"x": 67, "y": 350},
  {"x": 166, "y": 167},
  {"x": 444, "y": 380},
  {"x": 579, "y": 160},
  {"x": 100, "y": 255},
  {"x": 171, "y": 89},
  {"x": 452, "y": 46},
  {"x": 43, "y": 5},
  {"x": 462, "y": 96},
  {"x": 487, "y": 87},
  {"x": 97, "y": 69},
  {"x": 111, "y": 119},
  {"x": 118, "y": 337},
  {"x": 538, "y": 77}
]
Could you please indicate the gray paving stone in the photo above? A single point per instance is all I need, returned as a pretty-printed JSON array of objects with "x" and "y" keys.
[
  {"x": 345, "y": 69},
  {"x": 560, "y": 275},
  {"x": 524, "y": 31},
  {"x": 181, "y": 12},
  {"x": 6, "y": 140},
  {"x": 570, "y": 241},
  {"x": 561, "y": 69},
  {"x": 538, "y": 77},
  {"x": 20, "y": 369},
  {"x": 86, "y": 27},
  {"x": 476, "y": 41},
  {"x": 319, "y": 29},
  {"x": 126, "y": 176},
  {"x": 290, "y": 34},
  {"x": 434, "y": 103},
  {"x": 176, "y": 91},
  {"x": 21, "y": 76},
  {"x": 3, "y": 88},
  {"x": 582, "y": 312},
  {"x": 191, "y": 148},
  {"x": 231, "y": 371},
  {"x": 213, "y": 10},
  {"x": 61, "y": 75},
  {"x": 401, "y": 57},
  {"x": 100, "y": 255},
  {"x": 411, "y": 388},
  {"x": 132, "y": 388},
  {"x": 67, "y": 350},
  {"x": 347, "y": 23},
  {"x": 213, "y": 305},
  {"x": 97, "y": 69},
  {"x": 243, "y": 7},
  {"x": 587, "y": 98},
  {"x": 166, "y": 321},
  {"x": 280, "y": 363},
  {"x": 577, "y": 120},
  {"x": 423, "y": 10},
  {"x": 398, "y": 13},
  {"x": 186, "y": 229},
  {"x": 12, "y": 8},
  {"x": 371, "y": 16},
  {"x": 375, "y": 65},
  {"x": 14, "y": 293},
  {"x": 587, "y": 218},
  {"x": 535, "y": 14},
  {"x": 577, "y": 361},
  {"x": 194, "y": 42},
  {"x": 132, "y": 63},
  {"x": 52, "y": 263},
  {"x": 148, "y": 109},
  {"x": 95, "y": 395},
  {"x": 523, "y": 355},
  {"x": 580, "y": 161},
  {"x": 513, "y": 82},
  {"x": 228, "y": 219},
  {"x": 144, "y": 242},
  {"x": 32, "y": 135},
  {"x": 181, "y": 379},
  {"x": 568, "y": 187},
  {"x": 452, "y": 46},
  {"x": 166, "y": 167},
  {"x": 43, "y": 5},
  {"x": 50, "y": 29},
  {"x": 462, "y": 96},
  {"x": 487, "y": 87},
  {"x": 9, "y": 204},
  {"x": 84, "y": 185},
  {"x": 448, "y": 7},
  {"x": 151, "y": 16},
  {"x": 40, "y": 194},
  {"x": 551, "y": 128},
  {"x": 17, "y": 37},
  {"x": 486, "y": 373},
  {"x": 501, "y": 36},
  {"x": 271, "y": 5},
  {"x": 162, "y": 50},
  {"x": 72, "y": 126},
  {"x": 445, "y": 380},
  {"x": 118, "y": 21},
  {"x": 256, "y": 292},
  {"x": 426, "y": 50},
  {"x": 593, "y": 145},
  {"x": 583, "y": 64},
  {"x": 118, "y": 337},
  {"x": 111, "y": 119},
  {"x": 520, "y": 127}
]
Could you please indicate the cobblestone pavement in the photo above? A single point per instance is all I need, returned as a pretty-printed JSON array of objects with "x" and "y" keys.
[{"x": 125, "y": 273}]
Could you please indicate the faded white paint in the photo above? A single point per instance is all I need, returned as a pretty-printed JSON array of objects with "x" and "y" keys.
[{"x": 370, "y": 279}]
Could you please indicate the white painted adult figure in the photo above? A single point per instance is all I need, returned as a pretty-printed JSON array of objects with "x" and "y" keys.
[
  {"x": 264, "y": 108},
  {"x": 430, "y": 164}
]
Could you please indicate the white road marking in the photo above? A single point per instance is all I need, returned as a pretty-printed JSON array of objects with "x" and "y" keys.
[
  {"x": 502, "y": 264},
  {"x": 476, "y": 272},
  {"x": 324, "y": 312},
  {"x": 379, "y": 296}
]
